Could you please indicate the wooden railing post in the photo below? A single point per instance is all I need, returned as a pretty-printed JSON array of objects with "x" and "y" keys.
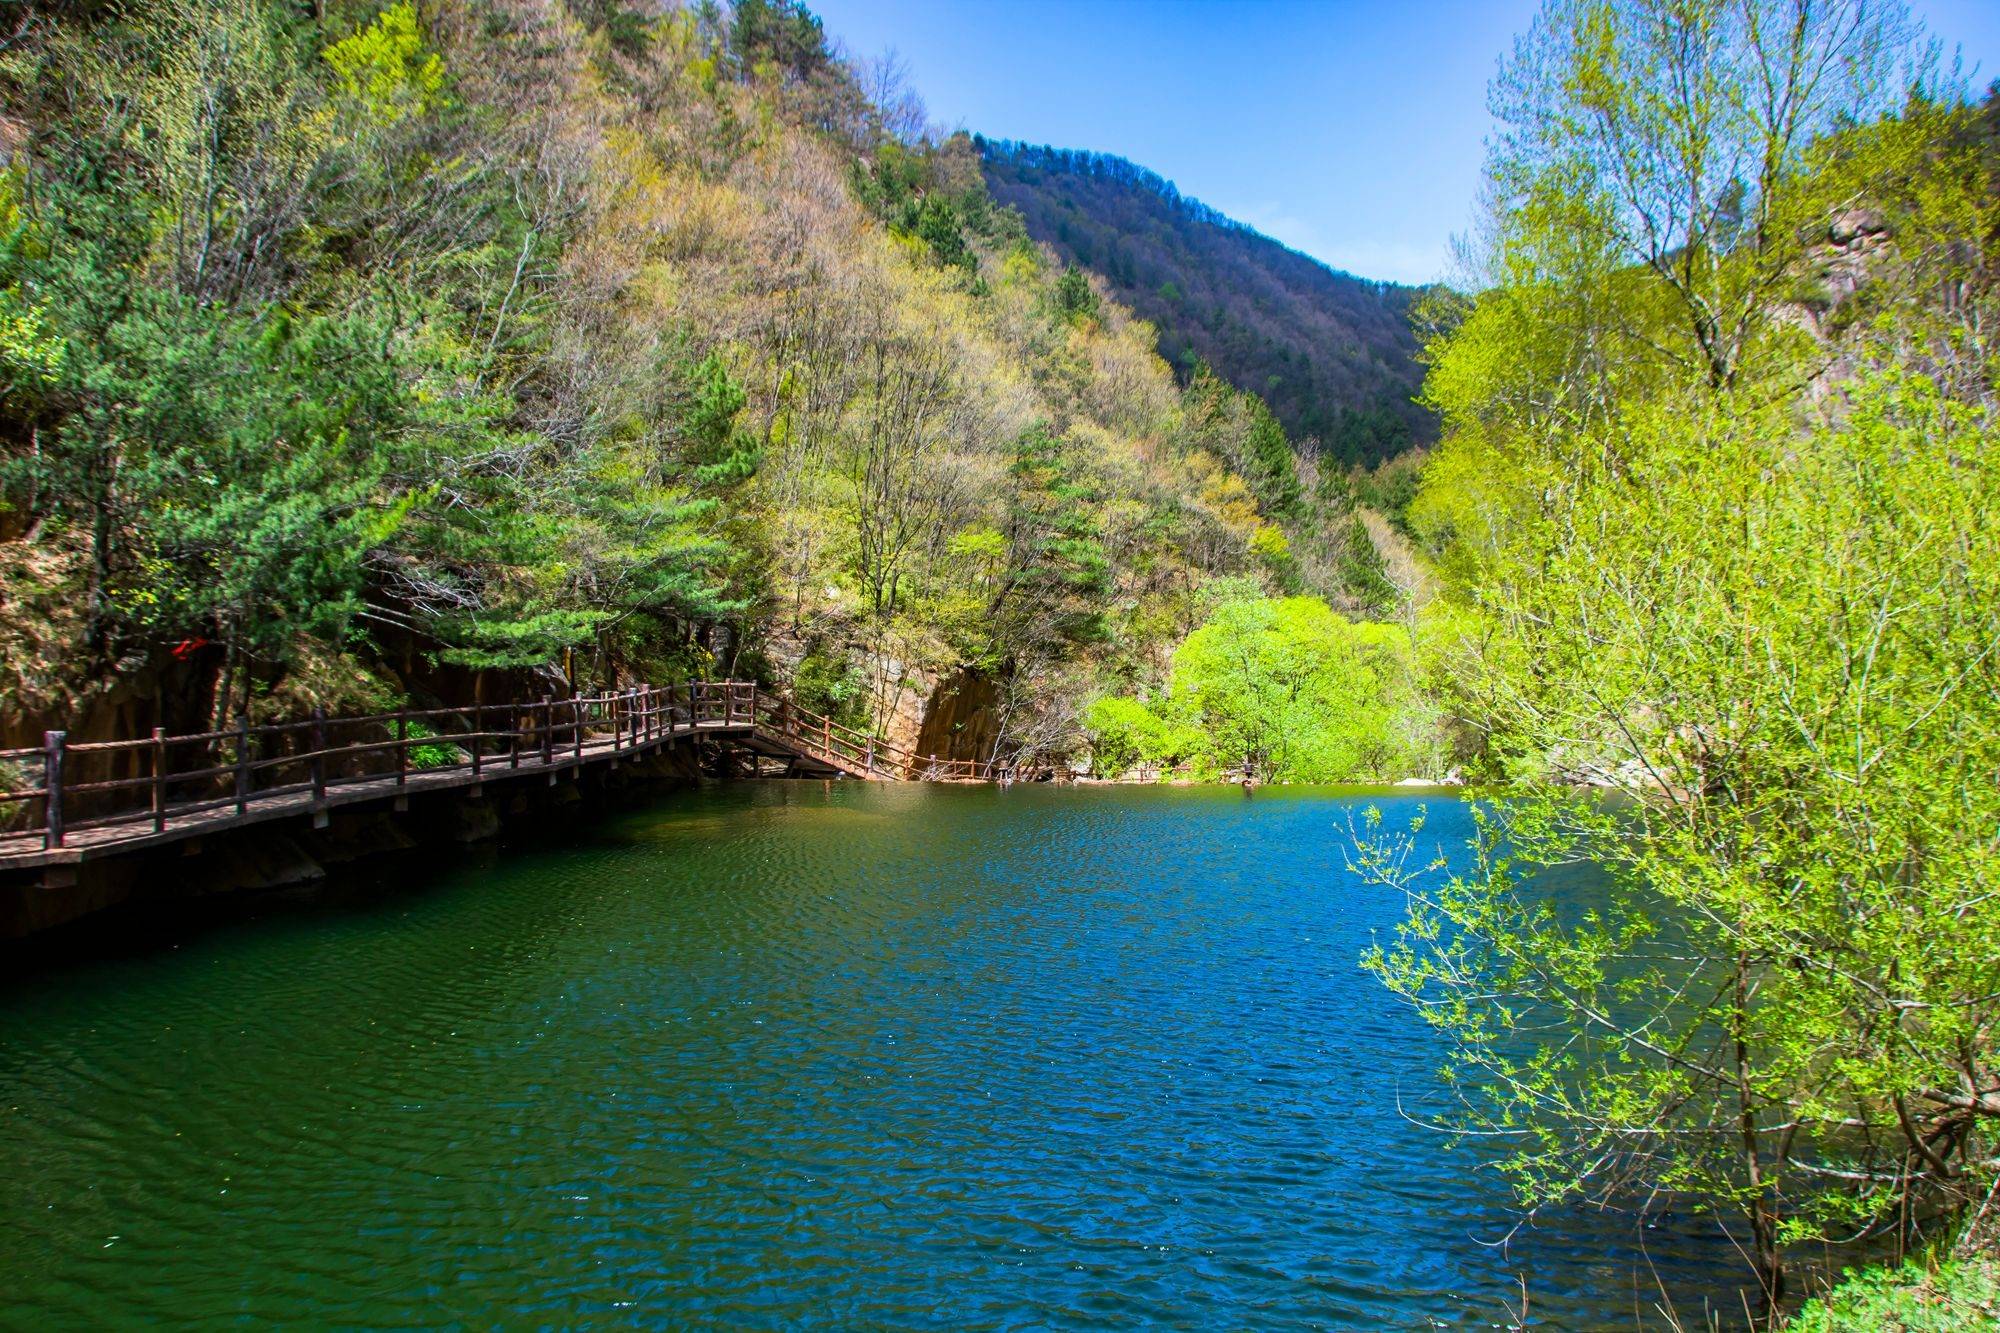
[
  {"x": 576, "y": 729},
  {"x": 514, "y": 736},
  {"x": 159, "y": 751},
  {"x": 53, "y": 743},
  {"x": 402, "y": 749},
  {"x": 871, "y": 756},
  {"x": 319, "y": 757},
  {"x": 478, "y": 728},
  {"x": 548, "y": 730},
  {"x": 242, "y": 762}
]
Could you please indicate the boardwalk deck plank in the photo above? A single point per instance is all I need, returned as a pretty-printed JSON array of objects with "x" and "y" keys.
[{"x": 642, "y": 722}]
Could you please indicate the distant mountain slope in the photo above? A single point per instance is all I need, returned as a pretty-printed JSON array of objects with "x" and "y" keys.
[{"x": 1332, "y": 354}]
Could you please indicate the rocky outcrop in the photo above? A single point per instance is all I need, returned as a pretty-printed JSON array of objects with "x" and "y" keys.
[
  {"x": 903, "y": 693},
  {"x": 1855, "y": 242},
  {"x": 962, "y": 718}
]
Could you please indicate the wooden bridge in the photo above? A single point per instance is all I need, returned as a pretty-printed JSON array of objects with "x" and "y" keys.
[{"x": 76, "y": 802}]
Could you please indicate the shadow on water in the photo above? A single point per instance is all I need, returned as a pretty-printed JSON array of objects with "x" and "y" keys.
[{"x": 789, "y": 1054}]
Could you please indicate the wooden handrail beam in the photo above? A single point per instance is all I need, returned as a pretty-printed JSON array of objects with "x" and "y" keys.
[{"x": 251, "y": 771}]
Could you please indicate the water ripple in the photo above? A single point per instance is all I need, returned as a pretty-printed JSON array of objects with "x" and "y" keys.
[{"x": 785, "y": 1055}]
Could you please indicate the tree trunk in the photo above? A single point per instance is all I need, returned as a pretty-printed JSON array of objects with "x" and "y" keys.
[{"x": 1765, "y": 1257}]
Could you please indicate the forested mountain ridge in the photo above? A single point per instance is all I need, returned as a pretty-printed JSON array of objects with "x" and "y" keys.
[
  {"x": 356, "y": 354},
  {"x": 1334, "y": 355}
]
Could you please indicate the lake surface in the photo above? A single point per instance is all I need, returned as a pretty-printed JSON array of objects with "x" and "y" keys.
[{"x": 782, "y": 1055}]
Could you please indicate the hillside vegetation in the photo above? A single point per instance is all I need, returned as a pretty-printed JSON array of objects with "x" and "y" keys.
[
  {"x": 1714, "y": 519},
  {"x": 1334, "y": 355},
  {"x": 351, "y": 354}
]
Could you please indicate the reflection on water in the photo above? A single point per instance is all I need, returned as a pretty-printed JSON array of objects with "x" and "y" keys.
[{"x": 791, "y": 1054}]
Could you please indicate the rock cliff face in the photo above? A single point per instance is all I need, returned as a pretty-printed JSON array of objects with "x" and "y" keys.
[
  {"x": 901, "y": 697},
  {"x": 962, "y": 719}
]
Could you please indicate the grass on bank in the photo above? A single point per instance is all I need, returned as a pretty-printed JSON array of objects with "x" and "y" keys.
[{"x": 1949, "y": 1297}]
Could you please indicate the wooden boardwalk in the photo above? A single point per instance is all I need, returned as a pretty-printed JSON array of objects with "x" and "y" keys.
[{"x": 89, "y": 800}]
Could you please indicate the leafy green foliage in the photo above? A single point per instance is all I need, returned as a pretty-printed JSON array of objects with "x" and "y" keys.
[
  {"x": 219, "y": 482},
  {"x": 938, "y": 227},
  {"x": 1125, "y": 733},
  {"x": 1361, "y": 567},
  {"x": 1955, "y": 1294},
  {"x": 388, "y": 68},
  {"x": 266, "y": 445},
  {"x": 1269, "y": 468},
  {"x": 423, "y": 352},
  {"x": 1286, "y": 687},
  {"x": 440, "y": 754},
  {"x": 1063, "y": 572},
  {"x": 1075, "y": 298},
  {"x": 1734, "y": 563},
  {"x": 780, "y": 34},
  {"x": 825, "y": 682}
]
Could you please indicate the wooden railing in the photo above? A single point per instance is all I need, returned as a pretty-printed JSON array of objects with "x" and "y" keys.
[
  {"x": 857, "y": 752},
  {"x": 62, "y": 787}
]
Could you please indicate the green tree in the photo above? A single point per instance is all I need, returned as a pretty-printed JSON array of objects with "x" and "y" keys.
[
  {"x": 1075, "y": 298},
  {"x": 1059, "y": 572},
  {"x": 1674, "y": 134},
  {"x": 938, "y": 227},
  {"x": 1731, "y": 563},
  {"x": 784, "y": 34},
  {"x": 1361, "y": 568},
  {"x": 1288, "y": 687},
  {"x": 222, "y": 487},
  {"x": 1783, "y": 649},
  {"x": 1270, "y": 468}
]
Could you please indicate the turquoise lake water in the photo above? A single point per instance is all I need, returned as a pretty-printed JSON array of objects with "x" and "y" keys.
[{"x": 789, "y": 1055}]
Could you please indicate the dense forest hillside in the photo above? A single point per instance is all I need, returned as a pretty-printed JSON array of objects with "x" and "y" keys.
[
  {"x": 354, "y": 354},
  {"x": 1334, "y": 355}
]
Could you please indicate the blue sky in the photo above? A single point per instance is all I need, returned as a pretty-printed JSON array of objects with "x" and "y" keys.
[{"x": 1350, "y": 129}]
